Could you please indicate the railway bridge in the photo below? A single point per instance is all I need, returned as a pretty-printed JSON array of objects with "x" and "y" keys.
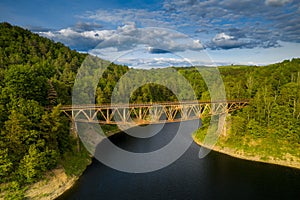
[{"x": 150, "y": 113}]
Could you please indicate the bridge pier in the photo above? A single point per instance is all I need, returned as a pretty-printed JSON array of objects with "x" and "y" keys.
[
  {"x": 75, "y": 134},
  {"x": 107, "y": 117}
]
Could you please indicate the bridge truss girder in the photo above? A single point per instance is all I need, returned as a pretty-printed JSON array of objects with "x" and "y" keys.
[{"x": 149, "y": 113}]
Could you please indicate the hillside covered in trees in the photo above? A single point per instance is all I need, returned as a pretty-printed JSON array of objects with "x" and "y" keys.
[
  {"x": 37, "y": 74},
  {"x": 268, "y": 129}
]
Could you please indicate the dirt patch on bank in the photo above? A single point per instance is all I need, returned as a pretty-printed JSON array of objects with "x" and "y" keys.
[{"x": 53, "y": 185}]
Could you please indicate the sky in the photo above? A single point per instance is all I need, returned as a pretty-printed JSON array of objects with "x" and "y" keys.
[{"x": 150, "y": 34}]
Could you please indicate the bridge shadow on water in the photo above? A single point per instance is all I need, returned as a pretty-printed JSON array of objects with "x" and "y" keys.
[{"x": 217, "y": 176}]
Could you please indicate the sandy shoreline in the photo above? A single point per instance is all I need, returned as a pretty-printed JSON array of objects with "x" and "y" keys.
[
  {"x": 54, "y": 185},
  {"x": 241, "y": 155}
]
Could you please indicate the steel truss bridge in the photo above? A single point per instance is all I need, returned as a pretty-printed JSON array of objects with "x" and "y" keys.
[{"x": 150, "y": 113}]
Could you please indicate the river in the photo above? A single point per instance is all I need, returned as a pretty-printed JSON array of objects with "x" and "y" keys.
[{"x": 217, "y": 176}]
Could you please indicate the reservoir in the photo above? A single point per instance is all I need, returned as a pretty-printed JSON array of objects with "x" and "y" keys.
[{"x": 216, "y": 176}]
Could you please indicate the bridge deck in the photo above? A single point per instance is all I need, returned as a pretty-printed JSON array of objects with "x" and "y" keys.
[
  {"x": 132, "y": 105},
  {"x": 146, "y": 113}
]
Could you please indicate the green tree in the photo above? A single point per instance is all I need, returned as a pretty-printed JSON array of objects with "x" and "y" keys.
[
  {"x": 27, "y": 82},
  {"x": 30, "y": 164},
  {"x": 6, "y": 165}
]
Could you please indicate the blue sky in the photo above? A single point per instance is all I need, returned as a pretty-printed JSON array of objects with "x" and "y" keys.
[{"x": 171, "y": 32}]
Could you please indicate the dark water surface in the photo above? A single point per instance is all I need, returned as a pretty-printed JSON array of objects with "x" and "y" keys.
[{"x": 217, "y": 176}]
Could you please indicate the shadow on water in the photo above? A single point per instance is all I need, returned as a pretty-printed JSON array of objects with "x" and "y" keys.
[{"x": 217, "y": 176}]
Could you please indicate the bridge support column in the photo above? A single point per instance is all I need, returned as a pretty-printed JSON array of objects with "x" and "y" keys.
[
  {"x": 124, "y": 115},
  {"x": 222, "y": 124},
  {"x": 140, "y": 114},
  {"x": 74, "y": 133},
  {"x": 107, "y": 116}
]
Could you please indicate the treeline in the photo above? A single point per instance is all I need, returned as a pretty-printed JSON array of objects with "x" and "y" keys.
[
  {"x": 272, "y": 120},
  {"x": 270, "y": 126}
]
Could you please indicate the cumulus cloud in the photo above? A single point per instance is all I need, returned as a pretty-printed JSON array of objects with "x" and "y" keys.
[
  {"x": 80, "y": 40},
  {"x": 222, "y": 24},
  {"x": 126, "y": 37},
  {"x": 224, "y": 41},
  {"x": 82, "y": 36},
  {"x": 157, "y": 39},
  {"x": 263, "y": 23}
]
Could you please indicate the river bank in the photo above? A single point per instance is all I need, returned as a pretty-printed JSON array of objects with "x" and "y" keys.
[
  {"x": 53, "y": 185},
  {"x": 56, "y": 182},
  {"x": 291, "y": 161}
]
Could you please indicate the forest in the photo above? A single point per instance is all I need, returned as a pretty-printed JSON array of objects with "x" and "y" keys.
[
  {"x": 37, "y": 76},
  {"x": 268, "y": 129},
  {"x": 35, "y": 73}
]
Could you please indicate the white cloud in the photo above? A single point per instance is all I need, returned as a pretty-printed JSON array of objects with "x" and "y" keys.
[
  {"x": 129, "y": 36},
  {"x": 124, "y": 38},
  {"x": 247, "y": 24},
  {"x": 81, "y": 40},
  {"x": 70, "y": 33},
  {"x": 250, "y": 16},
  {"x": 222, "y": 37},
  {"x": 224, "y": 41}
]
